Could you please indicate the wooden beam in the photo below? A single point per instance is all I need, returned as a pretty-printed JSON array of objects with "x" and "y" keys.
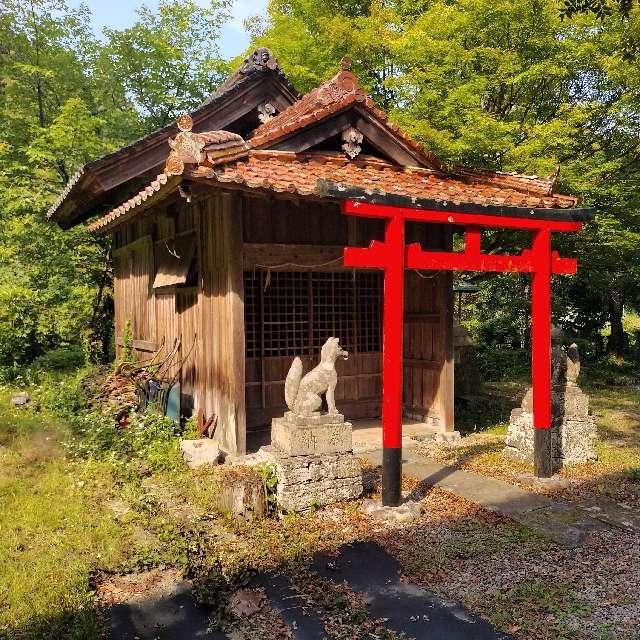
[
  {"x": 378, "y": 136},
  {"x": 309, "y": 137},
  {"x": 292, "y": 257},
  {"x": 139, "y": 345}
]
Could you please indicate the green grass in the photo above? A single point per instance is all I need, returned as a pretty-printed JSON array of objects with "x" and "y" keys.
[
  {"x": 535, "y": 608},
  {"x": 53, "y": 535},
  {"x": 57, "y": 476}
]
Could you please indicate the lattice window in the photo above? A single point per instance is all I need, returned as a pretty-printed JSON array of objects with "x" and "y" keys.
[
  {"x": 333, "y": 309},
  {"x": 368, "y": 312},
  {"x": 293, "y": 313}
]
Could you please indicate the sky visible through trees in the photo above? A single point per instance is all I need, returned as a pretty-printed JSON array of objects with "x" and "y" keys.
[{"x": 513, "y": 85}]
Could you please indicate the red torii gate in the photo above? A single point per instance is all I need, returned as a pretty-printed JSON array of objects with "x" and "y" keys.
[{"x": 393, "y": 256}]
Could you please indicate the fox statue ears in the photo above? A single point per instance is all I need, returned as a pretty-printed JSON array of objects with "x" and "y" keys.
[{"x": 325, "y": 352}]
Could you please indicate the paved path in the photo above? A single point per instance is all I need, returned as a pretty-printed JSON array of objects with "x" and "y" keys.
[
  {"x": 406, "y": 608},
  {"x": 565, "y": 524},
  {"x": 169, "y": 613},
  {"x": 162, "y": 613}
]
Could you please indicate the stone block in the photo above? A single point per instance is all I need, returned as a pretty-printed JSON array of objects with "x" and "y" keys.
[
  {"x": 241, "y": 493},
  {"x": 197, "y": 453},
  {"x": 402, "y": 514},
  {"x": 21, "y": 400},
  {"x": 573, "y": 430},
  {"x": 311, "y": 438},
  {"x": 305, "y": 481},
  {"x": 315, "y": 420}
]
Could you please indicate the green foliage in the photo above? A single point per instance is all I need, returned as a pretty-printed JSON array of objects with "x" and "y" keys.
[
  {"x": 61, "y": 359},
  {"x": 190, "y": 430},
  {"x": 269, "y": 476},
  {"x": 511, "y": 85},
  {"x": 67, "y": 98},
  {"x": 127, "y": 343},
  {"x": 166, "y": 61},
  {"x": 148, "y": 439},
  {"x": 18, "y": 325}
]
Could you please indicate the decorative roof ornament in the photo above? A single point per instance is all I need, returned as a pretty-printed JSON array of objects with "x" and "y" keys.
[
  {"x": 209, "y": 147},
  {"x": 260, "y": 61},
  {"x": 185, "y": 147},
  {"x": 266, "y": 112},
  {"x": 352, "y": 139}
]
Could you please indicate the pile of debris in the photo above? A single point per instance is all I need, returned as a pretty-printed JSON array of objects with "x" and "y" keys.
[{"x": 119, "y": 389}]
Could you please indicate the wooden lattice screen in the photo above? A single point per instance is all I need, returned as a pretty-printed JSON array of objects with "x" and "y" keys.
[{"x": 293, "y": 313}]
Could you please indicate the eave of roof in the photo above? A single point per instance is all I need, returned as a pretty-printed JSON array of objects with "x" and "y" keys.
[
  {"x": 235, "y": 84},
  {"x": 333, "y": 176},
  {"x": 330, "y": 189}
]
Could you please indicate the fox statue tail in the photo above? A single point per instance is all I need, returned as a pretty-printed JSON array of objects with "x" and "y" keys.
[{"x": 292, "y": 383}]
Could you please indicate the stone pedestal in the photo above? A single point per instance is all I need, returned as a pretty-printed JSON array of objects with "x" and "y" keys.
[
  {"x": 314, "y": 461},
  {"x": 573, "y": 431}
]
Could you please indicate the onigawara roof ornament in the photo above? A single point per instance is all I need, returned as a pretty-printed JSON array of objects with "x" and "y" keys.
[{"x": 206, "y": 148}]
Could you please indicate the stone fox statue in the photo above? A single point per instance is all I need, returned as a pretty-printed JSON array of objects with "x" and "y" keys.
[{"x": 304, "y": 394}]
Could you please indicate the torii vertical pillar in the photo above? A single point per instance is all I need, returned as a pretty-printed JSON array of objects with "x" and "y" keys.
[
  {"x": 392, "y": 336},
  {"x": 541, "y": 352},
  {"x": 389, "y": 256}
]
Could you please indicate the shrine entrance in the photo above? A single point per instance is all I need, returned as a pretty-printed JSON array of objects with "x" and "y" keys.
[{"x": 393, "y": 256}]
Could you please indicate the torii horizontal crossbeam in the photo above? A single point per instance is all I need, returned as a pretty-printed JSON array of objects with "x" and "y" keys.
[{"x": 393, "y": 256}]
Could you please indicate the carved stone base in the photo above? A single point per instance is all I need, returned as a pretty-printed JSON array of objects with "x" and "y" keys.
[
  {"x": 314, "y": 461},
  {"x": 311, "y": 435},
  {"x": 573, "y": 431}
]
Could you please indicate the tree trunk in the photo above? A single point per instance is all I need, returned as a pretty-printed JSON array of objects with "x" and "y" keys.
[{"x": 617, "y": 340}]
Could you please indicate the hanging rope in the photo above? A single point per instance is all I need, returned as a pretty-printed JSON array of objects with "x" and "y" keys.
[
  {"x": 435, "y": 273},
  {"x": 274, "y": 267}
]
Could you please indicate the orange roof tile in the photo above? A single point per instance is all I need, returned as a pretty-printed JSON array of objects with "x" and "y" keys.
[
  {"x": 284, "y": 171},
  {"x": 334, "y": 95},
  {"x": 164, "y": 183}
]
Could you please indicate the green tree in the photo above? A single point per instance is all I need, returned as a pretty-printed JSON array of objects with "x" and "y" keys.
[
  {"x": 49, "y": 126},
  {"x": 167, "y": 62},
  {"x": 510, "y": 85}
]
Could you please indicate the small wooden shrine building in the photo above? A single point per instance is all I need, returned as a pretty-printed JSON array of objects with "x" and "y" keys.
[{"x": 228, "y": 235}]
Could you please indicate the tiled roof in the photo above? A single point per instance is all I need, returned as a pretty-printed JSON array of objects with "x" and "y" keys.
[
  {"x": 331, "y": 97},
  {"x": 284, "y": 171},
  {"x": 300, "y": 174},
  {"x": 531, "y": 184},
  {"x": 241, "y": 78},
  {"x": 163, "y": 183}
]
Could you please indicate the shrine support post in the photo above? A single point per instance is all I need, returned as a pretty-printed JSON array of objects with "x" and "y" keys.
[
  {"x": 541, "y": 352},
  {"x": 393, "y": 330}
]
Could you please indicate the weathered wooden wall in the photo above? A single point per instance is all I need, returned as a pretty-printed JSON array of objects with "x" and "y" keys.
[
  {"x": 221, "y": 366},
  {"x": 237, "y": 233},
  {"x": 296, "y": 236},
  {"x": 206, "y": 319}
]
